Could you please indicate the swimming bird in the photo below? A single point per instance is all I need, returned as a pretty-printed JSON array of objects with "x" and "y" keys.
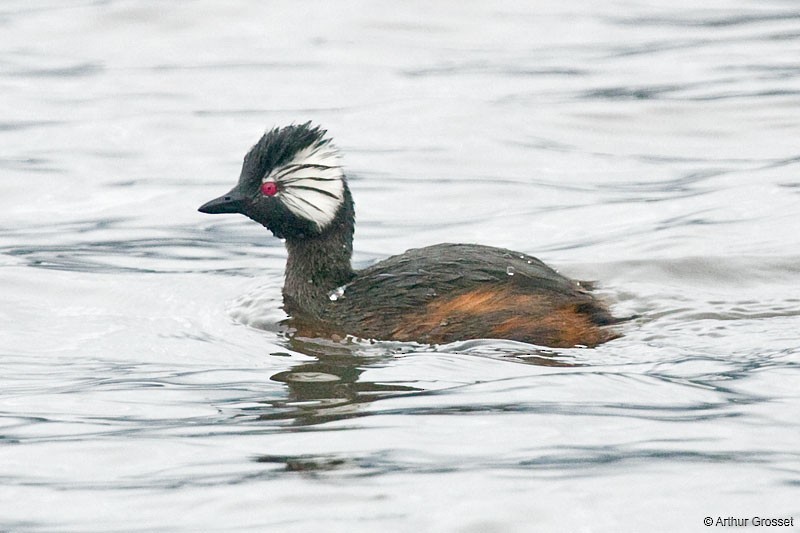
[{"x": 292, "y": 182}]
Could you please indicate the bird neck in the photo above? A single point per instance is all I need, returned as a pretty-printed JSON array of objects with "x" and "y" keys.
[{"x": 318, "y": 265}]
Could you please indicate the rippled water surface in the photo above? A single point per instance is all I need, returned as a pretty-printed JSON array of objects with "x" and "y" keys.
[{"x": 652, "y": 146}]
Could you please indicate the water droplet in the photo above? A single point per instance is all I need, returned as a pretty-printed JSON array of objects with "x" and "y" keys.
[
  {"x": 510, "y": 271},
  {"x": 336, "y": 293}
]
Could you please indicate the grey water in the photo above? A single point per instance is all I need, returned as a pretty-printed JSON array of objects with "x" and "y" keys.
[{"x": 651, "y": 146}]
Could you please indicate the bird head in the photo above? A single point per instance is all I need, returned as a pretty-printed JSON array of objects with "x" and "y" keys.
[{"x": 291, "y": 182}]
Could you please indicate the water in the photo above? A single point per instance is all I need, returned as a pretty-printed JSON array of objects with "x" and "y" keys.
[{"x": 651, "y": 147}]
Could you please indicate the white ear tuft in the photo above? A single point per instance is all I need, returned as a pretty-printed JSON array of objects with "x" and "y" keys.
[{"x": 311, "y": 184}]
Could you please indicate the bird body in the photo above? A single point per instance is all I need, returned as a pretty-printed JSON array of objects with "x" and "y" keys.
[{"x": 292, "y": 183}]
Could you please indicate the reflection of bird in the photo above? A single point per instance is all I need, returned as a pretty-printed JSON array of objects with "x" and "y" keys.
[
  {"x": 292, "y": 183},
  {"x": 330, "y": 387}
]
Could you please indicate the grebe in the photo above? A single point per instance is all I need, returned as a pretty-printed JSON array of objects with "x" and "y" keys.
[{"x": 292, "y": 183}]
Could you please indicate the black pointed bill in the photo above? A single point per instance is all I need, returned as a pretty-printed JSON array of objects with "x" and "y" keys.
[{"x": 231, "y": 202}]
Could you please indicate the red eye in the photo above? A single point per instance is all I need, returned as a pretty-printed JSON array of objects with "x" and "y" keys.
[{"x": 269, "y": 188}]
